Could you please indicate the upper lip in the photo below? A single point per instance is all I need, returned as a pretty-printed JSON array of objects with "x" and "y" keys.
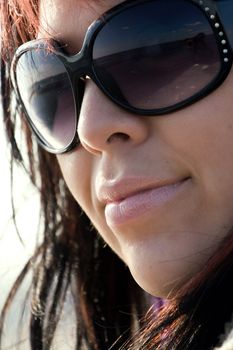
[{"x": 117, "y": 190}]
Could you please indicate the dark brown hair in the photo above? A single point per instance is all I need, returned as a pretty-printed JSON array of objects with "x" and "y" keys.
[{"x": 72, "y": 256}]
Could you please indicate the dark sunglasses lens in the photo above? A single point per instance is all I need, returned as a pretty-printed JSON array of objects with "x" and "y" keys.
[
  {"x": 156, "y": 54},
  {"x": 46, "y": 93}
]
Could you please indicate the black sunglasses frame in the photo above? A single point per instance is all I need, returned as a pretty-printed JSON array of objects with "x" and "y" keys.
[{"x": 80, "y": 65}]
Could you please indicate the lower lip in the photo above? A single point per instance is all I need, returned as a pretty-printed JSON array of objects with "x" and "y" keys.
[{"x": 118, "y": 213}]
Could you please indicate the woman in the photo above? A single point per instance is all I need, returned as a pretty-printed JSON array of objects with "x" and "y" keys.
[{"x": 134, "y": 116}]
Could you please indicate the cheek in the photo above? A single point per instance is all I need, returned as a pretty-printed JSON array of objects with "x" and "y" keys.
[
  {"x": 202, "y": 136},
  {"x": 76, "y": 168}
]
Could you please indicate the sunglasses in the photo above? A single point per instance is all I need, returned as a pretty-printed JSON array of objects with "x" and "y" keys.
[{"x": 150, "y": 57}]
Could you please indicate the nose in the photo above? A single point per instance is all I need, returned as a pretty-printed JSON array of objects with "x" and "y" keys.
[{"x": 102, "y": 124}]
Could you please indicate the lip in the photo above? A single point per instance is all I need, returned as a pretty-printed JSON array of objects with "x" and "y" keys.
[{"x": 129, "y": 199}]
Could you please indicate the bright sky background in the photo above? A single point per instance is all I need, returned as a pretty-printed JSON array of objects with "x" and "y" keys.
[
  {"x": 12, "y": 252},
  {"x": 13, "y": 255}
]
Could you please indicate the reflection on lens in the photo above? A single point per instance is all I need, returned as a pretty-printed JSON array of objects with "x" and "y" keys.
[
  {"x": 47, "y": 95},
  {"x": 149, "y": 58}
]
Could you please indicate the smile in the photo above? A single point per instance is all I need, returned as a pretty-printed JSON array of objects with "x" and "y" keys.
[{"x": 137, "y": 204}]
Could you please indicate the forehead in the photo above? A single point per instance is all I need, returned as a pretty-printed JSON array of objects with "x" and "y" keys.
[{"x": 68, "y": 20}]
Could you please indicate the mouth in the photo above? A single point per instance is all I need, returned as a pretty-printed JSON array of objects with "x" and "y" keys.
[{"x": 133, "y": 205}]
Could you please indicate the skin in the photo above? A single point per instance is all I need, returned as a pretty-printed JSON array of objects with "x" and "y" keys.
[{"x": 165, "y": 246}]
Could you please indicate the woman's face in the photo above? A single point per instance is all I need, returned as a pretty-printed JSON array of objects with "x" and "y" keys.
[{"x": 158, "y": 190}]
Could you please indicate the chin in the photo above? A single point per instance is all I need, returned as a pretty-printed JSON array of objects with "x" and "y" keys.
[
  {"x": 160, "y": 279},
  {"x": 156, "y": 287},
  {"x": 149, "y": 283}
]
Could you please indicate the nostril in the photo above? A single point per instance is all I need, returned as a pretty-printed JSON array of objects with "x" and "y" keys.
[{"x": 118, "y": 136}]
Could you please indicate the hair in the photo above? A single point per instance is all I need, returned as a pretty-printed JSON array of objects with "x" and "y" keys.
[
  {"x": 72, "y": 257},
  {"x": 73, "y": 260}
]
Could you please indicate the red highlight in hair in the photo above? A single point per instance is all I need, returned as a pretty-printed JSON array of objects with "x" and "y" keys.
[{"x": 23, "y": 17}]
